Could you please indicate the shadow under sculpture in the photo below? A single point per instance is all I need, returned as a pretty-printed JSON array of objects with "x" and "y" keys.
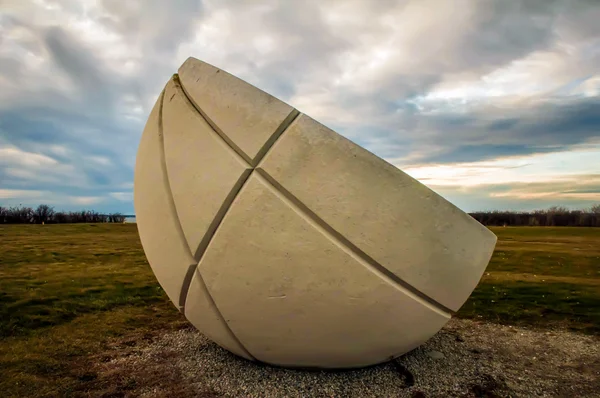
[{"x": 286, "y": 243}]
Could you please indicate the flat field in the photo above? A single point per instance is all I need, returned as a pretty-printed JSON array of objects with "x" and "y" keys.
[{"x": 69, "y": 294}]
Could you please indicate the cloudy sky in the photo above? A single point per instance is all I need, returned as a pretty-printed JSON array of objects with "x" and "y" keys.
[{"x": 493, "y": 104}]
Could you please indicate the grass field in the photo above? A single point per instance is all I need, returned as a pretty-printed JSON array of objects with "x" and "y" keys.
[{"x": 69, "y": 293}]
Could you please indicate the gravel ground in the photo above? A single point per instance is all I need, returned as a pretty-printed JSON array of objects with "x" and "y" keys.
[{"x": 465, "y": 359}]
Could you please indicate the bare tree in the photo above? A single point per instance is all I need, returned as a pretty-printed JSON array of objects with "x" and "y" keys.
[
  {"x": 116, "y": 218},
  {"x": 595, "y": 209},
  {"x": 19, "y": 215},
  {"x": 557, "y": 210},
  {"x": 43, "y": 214}
]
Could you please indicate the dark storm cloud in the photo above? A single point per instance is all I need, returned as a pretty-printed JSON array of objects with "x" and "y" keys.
[
  {"x": 491, "y": 134},
  {"x": 573, "y": 193},
  {"x": 472, "y": 153},
  {"x": 507, "y": 30}
]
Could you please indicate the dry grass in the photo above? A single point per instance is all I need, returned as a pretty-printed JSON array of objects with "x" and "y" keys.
[
  {"x": 67, "y": 291},
  {"x": 499, "y": 277},
  {"x": 541, "y": 276}
]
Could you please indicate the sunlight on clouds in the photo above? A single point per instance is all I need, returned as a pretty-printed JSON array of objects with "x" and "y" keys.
[
  {"x": 556, "y": 166},
  {"x": 60, "y": 150},
  {"x": 85, "y": 200},
  {"x": 29, "y": 167},
  {"x": 122, "y": 196},
  {"x": 26, "y": 197},
  {"x": 20, "y": 193},
  {"x": 209, "y": 36},
  {"x": 591, "y": 87},
  {"x": 101, "y": 160},
  {"x": 542, "y": 73},
  {"x": 393, "y": 50},
  {"x": 264, "y": 44},
  {"x": 548, "y": 194},
  {"x": 25, "y": 174},
  {"x": 96, "y": 34},
  {"x": 18, "y": 157}
]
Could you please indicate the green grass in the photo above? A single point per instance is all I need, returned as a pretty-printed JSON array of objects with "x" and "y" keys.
[
  {"x": 542, "y": 277},
  {"x": 66, "y": 293},
  {"x": 50, "y": 275},
  {"x": 70, "y": 293}
]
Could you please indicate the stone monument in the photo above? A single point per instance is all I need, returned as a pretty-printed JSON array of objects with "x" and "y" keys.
[{"x": 286, "y": 243}]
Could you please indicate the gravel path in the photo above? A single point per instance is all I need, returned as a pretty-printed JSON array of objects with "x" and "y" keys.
[{"x": 465, "y": 359}]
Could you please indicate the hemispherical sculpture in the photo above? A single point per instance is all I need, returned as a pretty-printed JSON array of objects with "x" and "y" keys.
[{"x": 286, "y": 243}]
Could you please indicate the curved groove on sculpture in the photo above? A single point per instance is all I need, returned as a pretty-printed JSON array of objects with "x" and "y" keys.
[
  {"x": 414, "y": 233},
  {"x": 202, "y": 312},
  {"x": 350, "y": 248},
  {"x": 246, "y": 117},
  {"x": 203, "y": 170},
  {"x": 167, "y": 253},
  {"x": 322, "y": 326},
  {"x": 189, "y": 125},
  {"x": 442, "y": 313},
  {"x": 163, "y": 243},
  {"x": 421, "y": 282},
  {"x": 191, "y": 142},
  {"x": 312, "y": 251}
]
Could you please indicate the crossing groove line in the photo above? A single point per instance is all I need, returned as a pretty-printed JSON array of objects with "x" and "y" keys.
[
  {"x": 212, "y": 124},
  {"x": 346, "y": 245},
  {"x": 192, "y": 267},
  {"x": 169, "y": 193},
  {"x": 301, "y": 209},
  {"x": 242, "y": 156}
]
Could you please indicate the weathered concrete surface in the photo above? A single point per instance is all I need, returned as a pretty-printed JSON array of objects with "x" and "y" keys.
[
  {"x": 312, "y": 251},
  {"x": 400, "y": 223},
  {"x": 203, "y": 170},
  {"x": 201, "y": 311},
  {"x": 159, "y": 231},
  {"x": 295, "y": 296},
  {"x": 248, "y": 118},
  {"x": 161, "y": 235}
]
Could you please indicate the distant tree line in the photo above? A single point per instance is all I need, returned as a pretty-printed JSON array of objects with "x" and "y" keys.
[
  {"x": 44, "y": 214},
  {"x": 555, "y": 216}
]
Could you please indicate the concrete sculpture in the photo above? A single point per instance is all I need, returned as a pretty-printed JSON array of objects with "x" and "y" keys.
[{"x": 286, "y": 243}]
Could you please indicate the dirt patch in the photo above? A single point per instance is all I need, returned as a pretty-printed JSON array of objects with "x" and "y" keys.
[{"x": 465, "y": 359}]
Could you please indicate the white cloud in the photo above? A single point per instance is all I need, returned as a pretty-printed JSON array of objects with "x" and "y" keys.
[
  {"x": 548, "y": 167},
  {"x": 60, "y": 150},
  {"x": 85, "y": 200},
  {"x": 33, "y": 198},
  {"x": 15, "y": 156},
  {"x": 101, "y": 160},
  {"x": 20, "y": 193},
  {"x": 38, "y": 168},
  {"x": 122, "y": 196},
  {"x": 565, "y": 70},
  {"x": 549, "y": 192}
]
